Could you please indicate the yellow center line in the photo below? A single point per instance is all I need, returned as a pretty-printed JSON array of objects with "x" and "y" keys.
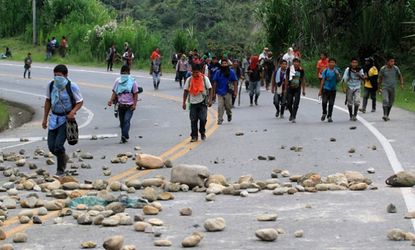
[{"x": 173, "y": 153}]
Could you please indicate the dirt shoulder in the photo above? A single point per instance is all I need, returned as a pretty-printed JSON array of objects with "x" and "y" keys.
[{"x": 18, "y": 114}]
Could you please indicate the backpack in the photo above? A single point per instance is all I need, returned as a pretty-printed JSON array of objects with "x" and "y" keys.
[{"x": 68, "y": 90}]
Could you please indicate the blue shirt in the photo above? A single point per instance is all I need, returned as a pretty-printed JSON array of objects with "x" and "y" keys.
[
  {"x": 330, "y": 79},
  {"x": 64, "y": 105},
  {"x": 222, "y": 81}
]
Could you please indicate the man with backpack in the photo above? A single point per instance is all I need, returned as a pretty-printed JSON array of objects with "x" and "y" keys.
[
  {"x": 389, "y": 76},
  {"x": 155, "y": 71},
  {"x": 328, "y": 88},
  {"x": 198, "y": 93},
  {"x": 353, "y": 77},
  {"x": 225, "y": 85},
  {"x": 63, "y": 100},
  {"x": 27, "y": 65},
  {"x": 125, "y": 94},
  {"x": 278, "y": 80},
  {"x": 294, "y": 83}
]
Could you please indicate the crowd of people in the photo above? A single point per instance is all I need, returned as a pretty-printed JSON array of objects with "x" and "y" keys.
[
  {"x": 54, "y": 46},
  {"x": 207, "y": 79}
]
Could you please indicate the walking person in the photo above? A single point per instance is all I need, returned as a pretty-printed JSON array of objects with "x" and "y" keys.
[
  {"x": 245, "y": 67},
  {"x": 328, "y": 89},
  {"x": 27, "y": 65},
  {"x": 225, "y": 86},
  {"x": 269, "y": 68},
  {"x": 63, "y": 100},
  {"x": 322, "y": 64},
  {"x": 294, "y": 83},
  {"x": 111, "y": 57},
  {"x": 49, "y": 50},
  {"x": 63, "y": 46},
  {"x": 198, "y": 93},
  {"x": 254, "y": 74},
  {"x": 155, "y": 71},
  {"x": 388, "y": 77},
  {"x": 278, "y": 80},
  {"x": 128, "y": 58},
  {"x": 125, "y": 94},
  {"x": 289, "y": 57},
  {"x": 371, "y": 84},
  {"x": 238, "y": 71},
  {"x": 353, "y": 77},
  {"x": 181, "y": 67}
]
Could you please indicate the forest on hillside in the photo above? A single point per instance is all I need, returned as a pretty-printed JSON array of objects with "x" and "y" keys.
[{"x": 343, "y": 28}]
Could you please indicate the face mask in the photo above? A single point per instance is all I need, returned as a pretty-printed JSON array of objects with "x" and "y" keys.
[
  {"x": 60, "y": 82},
  {"x": 124, "y": 77}
]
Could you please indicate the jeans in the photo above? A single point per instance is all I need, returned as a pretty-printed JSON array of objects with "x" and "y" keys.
[
  {"x": 328, "y": 98},
  {"x": 198, "y": 113},
  {"x": 254, "y": 88},
  {"x": 388, "y": 95},
  {"x": 125, "y": 114},
  {"x": 56, "y": 141},
  {"x": 279, "y": 103},
  {"x": 156, "y": 79},
  {"x": 26, "y": 70},
  {"x": 182, "y": 77},
  {"x": 224, "y": 104},
  {"x": 293, "y": 100},
  {"x": 372, "y": 93}
]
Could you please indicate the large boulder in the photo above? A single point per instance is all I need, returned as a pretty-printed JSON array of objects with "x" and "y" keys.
[
  {"x": 149, "y": 161},
  {"x": 191, "y": 175},
  {"x": 402, "y": 179}
]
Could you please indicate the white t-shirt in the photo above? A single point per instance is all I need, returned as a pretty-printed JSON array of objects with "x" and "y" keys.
[{"x": 200, "y": 97}]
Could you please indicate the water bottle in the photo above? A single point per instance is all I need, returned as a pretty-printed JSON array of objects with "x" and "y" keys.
[{"x": 116, "y": 110}]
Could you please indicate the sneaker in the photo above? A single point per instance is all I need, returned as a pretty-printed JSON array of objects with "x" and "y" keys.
[
  {"x": 329, "y": 119},
  {"x": 256, "y": 103},
  {"x": 291, "y": 118},
  {"x": 203, "y": 137},
  {"x": 293, "y": 121},
  {"x": 354, "y": 118},
  {"x": 323, "y": 117},
  {"x": 362, "y": 110},
  {"x": 194, "y": 139},
  {"x": 220, "y": 122},
  {"x": 277, "y": 114},
  {"x": 123, "y": 140},
  {"x": 282, "y": 116},
  {"x": 229, "y": 118}
]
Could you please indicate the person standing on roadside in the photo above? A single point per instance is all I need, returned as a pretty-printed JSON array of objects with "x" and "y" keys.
[
  {"x": 111, "y": 57},
  {"x": 128, "y": 58},
  {"x": 155, "y": 71},
  {"x": 388, "y": 77},
  {"x": 198, "y": 93},
  {"x": 27, "y": 65},
  {"x": 254, "y": 74},
  {"x": 63, "y": 46},
  {"x": 328, "y": 88},
  {"x": 371, "y": 84},
  {"x": 125, "y": 94},
  {"x": 294, "y": 83},
  {"x": 353, "y": 77},
  {"x": 278, "y": 80},
  {"x": 63, "y": 100},
  {"x": 225, "y": 85}
]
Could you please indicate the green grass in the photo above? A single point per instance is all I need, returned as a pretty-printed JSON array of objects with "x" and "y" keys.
[
  {"x": 4, "y": 116},
  {"x": 20, "y": 48}
]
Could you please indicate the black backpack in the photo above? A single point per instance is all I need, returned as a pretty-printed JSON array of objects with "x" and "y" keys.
[{"x": 68, "y": 90}]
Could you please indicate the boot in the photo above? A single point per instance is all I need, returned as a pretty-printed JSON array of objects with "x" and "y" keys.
[
  {"x": 29, "y": 75},
  {"x": 385, "y": 113},
  {"x": 388, "y": 112},
  {"x": 62, "y": 160},
  {"x": 356, "y": 109},
  {"x": 373, "y": 106},
  {"x": 256, "y": 99},
  {"x": 251, "y": 99},
  {"x": 350, "y": 112}
]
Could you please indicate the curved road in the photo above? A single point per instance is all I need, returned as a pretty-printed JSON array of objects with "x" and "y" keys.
[{"x": 336, "y": 220}]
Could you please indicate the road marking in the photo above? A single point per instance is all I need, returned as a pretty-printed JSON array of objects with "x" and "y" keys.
[
  {"x": 408, "y": 195},
  {"x": 38, "y": 138},
  {"x": 84, "y": 71}
]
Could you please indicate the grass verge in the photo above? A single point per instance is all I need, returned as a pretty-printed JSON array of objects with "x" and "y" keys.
[{"x": 4, "y": 116}]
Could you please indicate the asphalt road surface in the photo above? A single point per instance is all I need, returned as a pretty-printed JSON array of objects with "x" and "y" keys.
[{"x": 336, "y": 220}]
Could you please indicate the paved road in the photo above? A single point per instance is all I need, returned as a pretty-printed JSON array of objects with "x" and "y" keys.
[{"x": 336, "y": 220}]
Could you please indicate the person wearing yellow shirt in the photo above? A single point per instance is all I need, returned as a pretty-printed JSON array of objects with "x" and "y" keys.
[{"x": 370, "y": 85}]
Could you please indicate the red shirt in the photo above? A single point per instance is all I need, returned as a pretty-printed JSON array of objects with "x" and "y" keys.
[
  {"x": 154, "y": 55},
  {"x": 322, "y": 64}
]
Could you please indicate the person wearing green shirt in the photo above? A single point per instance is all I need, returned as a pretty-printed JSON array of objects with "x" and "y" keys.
[{"x": 388, "y": 78}]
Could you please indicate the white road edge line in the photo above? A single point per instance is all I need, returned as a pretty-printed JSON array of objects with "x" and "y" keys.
[
  {"x": 396, "y": 165},
  {"x": 84, "y": 71},
  {"x": 83, "y": 125},
  {"x": 39, "y": 138}
]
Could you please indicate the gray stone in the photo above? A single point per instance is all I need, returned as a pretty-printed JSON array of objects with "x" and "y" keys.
[
  {"x": 267, "y": 234},
  {"x": 153, "y": 182},
  {"x": 86, "y": 156},
  {"x": 9, "y": 203},
  {"x": 116, "y": 207},
  {"x": 100, "y": 184},
  {"x": 396, "y": 234},
  {"x": 20, "y": 238},
  {"x": 210, "y": 197},
  {"x": 267, "y": 217},
  {"x": 214, "y": 224},
  {"x": 299, "y": 234},
  {"x": 187, "y": 211},
  {"x": 110, "y": 222},
  {"x": 391, "y": 208},
  {"x": 42, "y": 211},
  {"x": 192, "y": 240},
  {"x": 114, "y": 243},
  {"x": 24, "y": 219},
  {"x": 84, "y": 219},
  {"x": 191, "y": 175},
  {"x": 150, "y": 194},
  {"x": 134, "y": 183},
  {"x": 162, "y": 243}
]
